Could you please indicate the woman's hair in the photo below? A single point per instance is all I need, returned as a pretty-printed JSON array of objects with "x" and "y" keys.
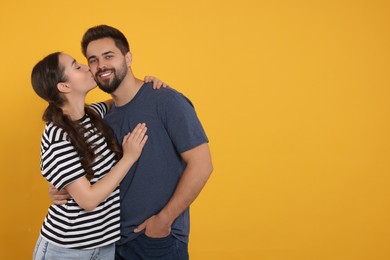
[
  {"x": 105, "y": 31},
  {"x": 45, "y": 76}
]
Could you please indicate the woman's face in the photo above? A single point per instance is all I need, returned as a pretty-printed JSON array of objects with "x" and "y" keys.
[{"x": 78, "y": 76}]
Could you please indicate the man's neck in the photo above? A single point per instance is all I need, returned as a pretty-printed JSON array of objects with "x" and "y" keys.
[{"x": 126, "y": 90}]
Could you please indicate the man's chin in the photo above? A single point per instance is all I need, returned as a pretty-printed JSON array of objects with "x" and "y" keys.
[
  {"x": 108, "y": 86},
  {"x": 106, "y": 89}
]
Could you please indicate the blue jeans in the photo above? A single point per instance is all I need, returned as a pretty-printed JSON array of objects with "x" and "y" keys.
[
  {"x": 147, "y": 248},
  {"x": 48, "y": 251}
]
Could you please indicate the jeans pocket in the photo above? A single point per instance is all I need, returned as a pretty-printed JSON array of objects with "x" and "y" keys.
[
  {"x": 144, "y": 234},
  {"x": 158, "y": 242},
  {"x": 159, "y": 248},
  {"x": 157, "y": 238}
]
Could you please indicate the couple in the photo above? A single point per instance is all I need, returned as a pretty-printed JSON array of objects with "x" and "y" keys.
[{"x": 81, "y": 155}]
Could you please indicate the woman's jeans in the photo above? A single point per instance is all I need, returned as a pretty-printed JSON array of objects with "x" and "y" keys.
[{"x": 48, "y": 251}]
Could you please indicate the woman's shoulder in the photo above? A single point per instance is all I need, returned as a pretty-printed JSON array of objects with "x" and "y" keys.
[
  {"x": 101, "y": 108},
  {"x": 53, "y": 133}
]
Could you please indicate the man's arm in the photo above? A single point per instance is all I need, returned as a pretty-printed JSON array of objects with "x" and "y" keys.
[
  {"x": 195, "y": 176},
  {"x": 58, "y": 197}
]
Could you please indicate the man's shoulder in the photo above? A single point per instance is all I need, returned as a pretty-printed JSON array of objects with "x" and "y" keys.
[
  {"x": 162, "y": 96},
  {"x": 168, "y": 91}
]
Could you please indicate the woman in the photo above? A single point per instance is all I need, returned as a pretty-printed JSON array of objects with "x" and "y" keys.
[{"x": 80, "y": 154}]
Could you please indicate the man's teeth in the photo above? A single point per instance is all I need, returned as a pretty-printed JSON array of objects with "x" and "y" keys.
[{"x": 105, "y": 74}]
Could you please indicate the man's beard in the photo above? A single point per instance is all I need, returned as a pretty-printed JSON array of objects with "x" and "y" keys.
[{"x": 118, "y": 76}]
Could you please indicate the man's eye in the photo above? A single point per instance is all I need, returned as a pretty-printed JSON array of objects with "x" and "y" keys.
[
  {"x": 109, "y": 57},
  {"x": 91, "y": 61}
]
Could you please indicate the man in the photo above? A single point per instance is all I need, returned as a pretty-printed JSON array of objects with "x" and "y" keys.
[{"x": 175, "y": 163}]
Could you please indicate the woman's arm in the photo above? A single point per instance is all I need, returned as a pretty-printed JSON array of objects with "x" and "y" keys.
[
  {"x": 90, "y": 196},
  {"x": 157, "y": 83}
]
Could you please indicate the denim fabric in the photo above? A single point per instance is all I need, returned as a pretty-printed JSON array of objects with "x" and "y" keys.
[
  {"x": 48, "y": 251},
  {"x": 147, "y": 248}
]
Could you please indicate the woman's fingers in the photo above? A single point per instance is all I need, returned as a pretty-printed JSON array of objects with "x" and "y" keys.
[
  {"x": 137, "y": 134},
  {"x": 143, "y": 141},
  {"x": 141, "y": 134},
  {"x": 126, "y": 138},
  {"x": 157, "y": 83}
]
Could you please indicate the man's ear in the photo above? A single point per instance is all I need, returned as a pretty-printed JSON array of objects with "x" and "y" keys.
[
  {"x": 63, "y": 87},
  {"x": 129, "y": 59}
]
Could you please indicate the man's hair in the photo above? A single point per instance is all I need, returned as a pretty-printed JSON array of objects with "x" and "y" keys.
[{"x": 105, "y": 31}]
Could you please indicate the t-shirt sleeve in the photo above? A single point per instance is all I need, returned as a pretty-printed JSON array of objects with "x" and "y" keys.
[
  {"x": 181, "y": 122},
  {"x": 60, "y": 164},
  {"x": 100, "y": 108}
]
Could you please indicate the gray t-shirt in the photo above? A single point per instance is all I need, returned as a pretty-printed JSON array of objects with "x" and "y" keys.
[{"x": 173, "y": 128}]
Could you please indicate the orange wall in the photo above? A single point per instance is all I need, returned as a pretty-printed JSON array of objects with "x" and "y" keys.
[{"x": 294, "y": 96}]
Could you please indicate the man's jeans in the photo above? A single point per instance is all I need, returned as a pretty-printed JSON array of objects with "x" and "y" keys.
[{"x": 146, "y": 248}]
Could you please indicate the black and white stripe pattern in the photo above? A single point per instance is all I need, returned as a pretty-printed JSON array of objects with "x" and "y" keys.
[{"x": 69, "y": 225}]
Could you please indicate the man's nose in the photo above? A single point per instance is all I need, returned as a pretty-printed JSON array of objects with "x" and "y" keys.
[{"x": 101, "y": 65}]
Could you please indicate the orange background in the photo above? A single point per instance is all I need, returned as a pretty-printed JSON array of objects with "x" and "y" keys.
[{"x": 294, "y": 96}]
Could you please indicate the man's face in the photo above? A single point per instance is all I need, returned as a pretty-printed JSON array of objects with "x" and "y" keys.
[{"x": 108, "y": 65}]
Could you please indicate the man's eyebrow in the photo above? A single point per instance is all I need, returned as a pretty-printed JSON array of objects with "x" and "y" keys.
[
  {"x": 104, "y": 53},
  {"x": 108, "y": 52}
]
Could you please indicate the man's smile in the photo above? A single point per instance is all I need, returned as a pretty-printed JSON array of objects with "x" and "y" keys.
[{"x": 104, "y": 74}]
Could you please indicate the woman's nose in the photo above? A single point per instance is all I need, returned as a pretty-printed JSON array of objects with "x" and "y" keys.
[{"x": 85, "y": 67}]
